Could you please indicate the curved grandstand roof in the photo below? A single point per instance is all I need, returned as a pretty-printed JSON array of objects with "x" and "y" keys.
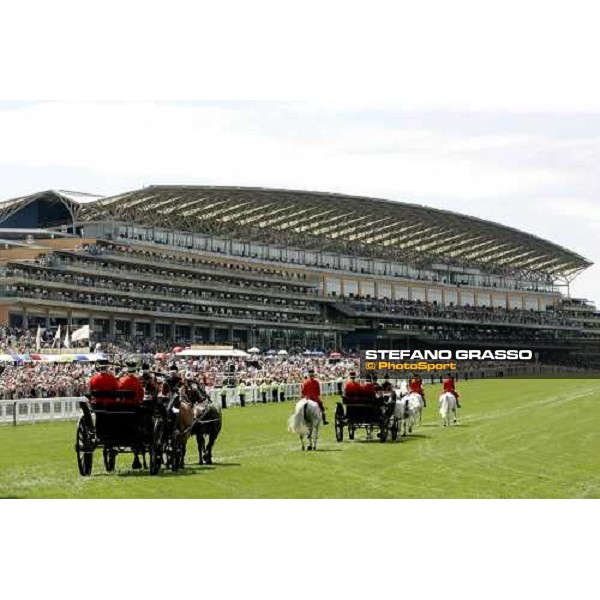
[
  {"x": 56, "y": 204},
  {"x": 336, "y": 222}
]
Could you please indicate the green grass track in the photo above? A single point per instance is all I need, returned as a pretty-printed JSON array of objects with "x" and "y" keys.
[{"x": 517, "y": 439}]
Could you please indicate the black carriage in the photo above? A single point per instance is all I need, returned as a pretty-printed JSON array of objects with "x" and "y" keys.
[
  {"x": 120, "y": 428},
  {"x": 374, "y": 414}
]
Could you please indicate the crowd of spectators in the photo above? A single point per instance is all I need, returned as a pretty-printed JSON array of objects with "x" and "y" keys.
[
  {"x": 194, "y": 261},
  {"x": 483, "y": 314},
  {"x": 136, "y": 303},
  {"x": 532, "y": 282},
  {"x": 44, "y": 380}
]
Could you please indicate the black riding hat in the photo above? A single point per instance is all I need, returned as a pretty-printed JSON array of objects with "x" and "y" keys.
[{"x": 102, "y": 363}]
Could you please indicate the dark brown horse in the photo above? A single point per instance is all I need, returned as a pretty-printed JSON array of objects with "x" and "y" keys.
[{"x": 206, "y": 428}]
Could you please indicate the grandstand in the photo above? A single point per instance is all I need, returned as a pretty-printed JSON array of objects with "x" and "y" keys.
[{"x": 285, "y": 269}]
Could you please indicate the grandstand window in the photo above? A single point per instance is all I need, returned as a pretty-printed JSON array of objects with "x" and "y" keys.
[
  {"x": 310, "y": 258},
  {"x": 417, "y": 293},
  {"x": 401, "y": 292},
  {"x": 331, "y": 260},
  {"x": 381, "y": 268},
  {"x": 346, "y": 263},
  {"x": 531, "y": 303},
  {"x": 257, "y": 250},
  {"x": 434, "y": 295},
  {"x": 451, "y": 298},
  {"x": 467, "y": 298},
  {"x": 367, "y": 288},
  {"x": 350, "y": 287},
  {"x": 160, "y": 236},
  {"x": 515, "y": 302},
  {"x": 220, "y": 244},
  {"x": 333, "y": 286},
  {"x": 498, "y": 301},
  {"x": 384, "y": 290},
  {"x": 485, "y": 300},
  {"x": 364, "y": 266}
]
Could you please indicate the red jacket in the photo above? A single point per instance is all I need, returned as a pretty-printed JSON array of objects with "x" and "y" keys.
[
  {"x": 449, "y": 386},
  {"x": 132, "y": 383},
  {"x": 103, "y": 382},
  {"x": 353, "y": 388},
  {"x": 311, "y": 388},
  {"x": 368, "y": 389},
  {"x": 415, "y": 387}
]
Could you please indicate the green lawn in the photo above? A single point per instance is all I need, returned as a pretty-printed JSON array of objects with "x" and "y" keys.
[{"x": 518, "y": 439}]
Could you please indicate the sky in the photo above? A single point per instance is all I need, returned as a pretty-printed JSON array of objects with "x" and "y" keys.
[{"x": 533, "y": 170}]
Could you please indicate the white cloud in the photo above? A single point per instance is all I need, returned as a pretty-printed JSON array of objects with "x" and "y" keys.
[{"x": 237, "y": 146}]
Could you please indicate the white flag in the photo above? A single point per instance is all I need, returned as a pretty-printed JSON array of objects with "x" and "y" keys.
[
  {"x": 38, "y": 338},
  {"x": 56, "y": 337},
  {"x": 67, "y": 340},
  {"x": 83, "y": 333}
]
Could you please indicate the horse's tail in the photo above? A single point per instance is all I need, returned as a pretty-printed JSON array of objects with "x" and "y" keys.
[{"x": 296, "y": 423}]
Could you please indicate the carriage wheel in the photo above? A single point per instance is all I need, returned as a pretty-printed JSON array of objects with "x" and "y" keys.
[
  {"x": 339, "y": 428},
  {"x": 109, "y": 459},
  {"x": 351, "y": 432},
  {"x": 84, "y": 446}
]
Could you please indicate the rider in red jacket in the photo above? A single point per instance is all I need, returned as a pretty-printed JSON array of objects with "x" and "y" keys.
[
  {"x": 103, "y": 381},
  {"x": 448, "y": 384},
  {"x": 311, "y": 388},
  {"x": 352, "y": 388},
  {"x": 131, "y": 383},
  {"x": 416, "y": 387}
]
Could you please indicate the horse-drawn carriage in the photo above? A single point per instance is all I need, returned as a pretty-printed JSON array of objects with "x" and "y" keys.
[
  {"x": 374, "y": 413},
  {"x": 121, "y": 427}
]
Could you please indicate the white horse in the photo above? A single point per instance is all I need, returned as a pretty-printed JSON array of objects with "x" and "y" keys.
[
  {"x": 448, "y": 412},
  {"x": 416, "y": 402},
  {"x": 404, "y": 415},
  {"x": 408, "y": 410},
  {"x": 403, "y": 389},
  {"x": 306, "y": 421}
]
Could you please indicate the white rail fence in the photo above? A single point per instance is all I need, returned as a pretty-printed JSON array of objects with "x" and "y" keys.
[{"x": 31, "y": 410}]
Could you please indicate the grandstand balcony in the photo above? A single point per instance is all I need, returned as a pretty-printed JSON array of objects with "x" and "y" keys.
[
  {"x": 170, "y": 288},
  {"x": 166, "y": 302}
]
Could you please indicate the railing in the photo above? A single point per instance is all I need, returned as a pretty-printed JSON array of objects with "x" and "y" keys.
[{"x": 31, "y": 410}]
